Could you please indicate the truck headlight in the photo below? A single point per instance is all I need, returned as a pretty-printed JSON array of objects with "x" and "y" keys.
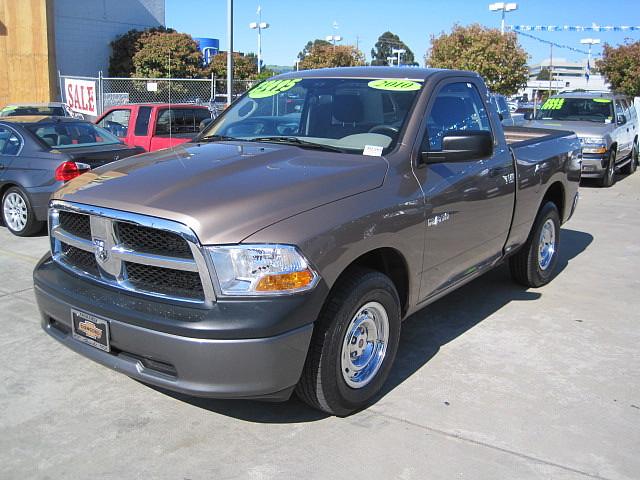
[
  {"x": 593, "y": 145},
  {"x": 261, "y": 269}
]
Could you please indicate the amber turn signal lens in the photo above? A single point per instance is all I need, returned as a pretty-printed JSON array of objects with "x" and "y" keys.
[
  {"x": 285, "y": 281},
  {"x": 595, "y": 150}
]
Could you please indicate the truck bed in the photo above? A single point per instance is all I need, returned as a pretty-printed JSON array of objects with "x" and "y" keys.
[{"x": 523, "y": 136}]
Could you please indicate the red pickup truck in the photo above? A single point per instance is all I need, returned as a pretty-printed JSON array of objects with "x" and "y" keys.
[{"x": 153, "y": 126}]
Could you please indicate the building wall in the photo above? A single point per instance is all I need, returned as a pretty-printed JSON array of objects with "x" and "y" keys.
[
  {"x": 85, "y": 28},
  {"x": 27, "y": 55}
]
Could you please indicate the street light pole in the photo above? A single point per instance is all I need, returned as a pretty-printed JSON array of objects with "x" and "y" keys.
[
  {"x": 590, "y": 42},
  {"x": 230, "y": 51},
  {"x": 398, "y": 51},
  {"x": 259, "y": 25},
  {"x": 503, "y": 7}
]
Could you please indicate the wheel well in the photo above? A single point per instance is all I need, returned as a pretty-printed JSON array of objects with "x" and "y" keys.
[
  {"x": 4, "y": 188},
  {"x": 391, "y": 263},
  {"x": 555, "y": 194}
]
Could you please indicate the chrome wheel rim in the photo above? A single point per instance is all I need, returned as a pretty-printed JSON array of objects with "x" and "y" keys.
[
  {"x": 547, "y": 245},
  {"x": 15, "y": 212},
  {"x": 365, "y": 345}
]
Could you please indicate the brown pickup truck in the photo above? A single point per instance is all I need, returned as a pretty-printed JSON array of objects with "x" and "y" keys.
[{"x": 283, "y": 248}]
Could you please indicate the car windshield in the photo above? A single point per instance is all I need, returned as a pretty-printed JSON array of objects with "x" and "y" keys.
[
  {"x": 72, "y": 134},
  {"x": 343, "y": 114},
  {"x": 598, "y": 110},
  {"x": 15, "y": 111}
]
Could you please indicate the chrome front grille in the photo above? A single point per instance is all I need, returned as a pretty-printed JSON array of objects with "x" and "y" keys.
[{"x": 136, "y": 253}]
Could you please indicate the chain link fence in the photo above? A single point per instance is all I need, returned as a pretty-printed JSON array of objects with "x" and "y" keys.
[{"x": 111, "y": 91}]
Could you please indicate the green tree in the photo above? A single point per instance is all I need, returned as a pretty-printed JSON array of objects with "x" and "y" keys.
[
  {"x": 167, "y": 53},
  {"x": 324, "y": 56},
  {"x": 382, "y": 50},
  {"x": 311, "y": 45},
  {"x": 498, "y": 58},
  {"x": 621, "y": 67},
  {"x": 124, "y": 47},
  {"x": 245, "y": 67}
]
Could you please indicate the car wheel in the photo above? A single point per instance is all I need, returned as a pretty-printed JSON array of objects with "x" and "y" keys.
[
  {"x": 631, "y": 167},
  {"x": 17, "y": 213},
  {"x": 609, "y": 177},
  {"x": 354, "y": 343},
  {"x": 534, "y": 264}
]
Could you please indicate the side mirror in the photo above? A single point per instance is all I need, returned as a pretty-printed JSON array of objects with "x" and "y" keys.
[
  {"x": 204, "y": 124},
  {"x": 501, "y": 116},
  {"x": 621, "y": 119},
  {"x": 461, "y": 146},
  {"x": 528, "y": 116}
]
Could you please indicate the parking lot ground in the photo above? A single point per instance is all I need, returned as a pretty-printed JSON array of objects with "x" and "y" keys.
[{"x": 492, "y": 382}]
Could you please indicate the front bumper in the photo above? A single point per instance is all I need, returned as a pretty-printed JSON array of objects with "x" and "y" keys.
[
  {"x": 189, "y": 360},
  {"x": 594, "y": 166}
]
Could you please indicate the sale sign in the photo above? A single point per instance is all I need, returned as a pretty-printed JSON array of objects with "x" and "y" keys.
[{"x": 81, "y": 96}]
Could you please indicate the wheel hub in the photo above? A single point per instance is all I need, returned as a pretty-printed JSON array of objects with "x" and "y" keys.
[
  {"x": 365, "y": 345},
  {"x": 15, "y": 211},
  {"x": 547, "y": 244}
]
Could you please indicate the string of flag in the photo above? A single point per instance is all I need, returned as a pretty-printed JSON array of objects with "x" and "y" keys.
[
  {"x": 573, "y": 28},
  {"x": 558, "y": 45}
]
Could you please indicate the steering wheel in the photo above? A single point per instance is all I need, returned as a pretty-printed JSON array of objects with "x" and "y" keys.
[{"x": 384, "y": 130}]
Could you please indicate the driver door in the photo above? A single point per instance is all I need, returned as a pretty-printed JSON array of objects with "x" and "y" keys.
[{"x": 469, "y": 202}]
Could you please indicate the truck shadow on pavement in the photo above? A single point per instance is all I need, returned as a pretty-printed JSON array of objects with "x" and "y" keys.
[{"x": 422, "y": 336}]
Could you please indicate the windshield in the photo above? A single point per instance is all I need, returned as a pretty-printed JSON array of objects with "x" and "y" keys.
[
  {"x": 72, "y": 134},
  {"x": 349, "y": 114},
  {"x": 598, "y": 110},
  {"x": 14, "y": 111}
]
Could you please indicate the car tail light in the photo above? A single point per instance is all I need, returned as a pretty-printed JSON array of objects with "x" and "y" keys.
[{"x": 69, "y": 170}]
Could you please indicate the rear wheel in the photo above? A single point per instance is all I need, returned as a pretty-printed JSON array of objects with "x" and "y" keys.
[
  {"x": 533, "y": 265},
  {"x": 354, "y": 344},
  {"x": 609, "y": 177},
  {"x": 631, "y": 167},
  {"x": 18, "y": 214}
]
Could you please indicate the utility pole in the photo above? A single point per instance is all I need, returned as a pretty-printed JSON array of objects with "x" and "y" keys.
[{"x": 230, "y": 51}]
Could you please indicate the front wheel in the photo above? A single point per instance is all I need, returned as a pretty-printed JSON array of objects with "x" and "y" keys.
[
  {"x": 609, "y": 177},
  {"x": 534, "y": 263},
  {"x": 354, "y": 344}
]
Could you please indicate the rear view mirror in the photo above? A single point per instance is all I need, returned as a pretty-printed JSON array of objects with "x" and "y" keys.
[
  {"x": 622, "y": 119},
  {"x": 205, "y": 123},
  {"x": 528, "y": 116},
  {"x": 462, "y": 146}
]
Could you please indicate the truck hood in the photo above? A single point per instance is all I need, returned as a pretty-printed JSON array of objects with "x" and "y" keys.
[
  {"x": 582, "y": 129},
  {"x": 226, "y": 191}
]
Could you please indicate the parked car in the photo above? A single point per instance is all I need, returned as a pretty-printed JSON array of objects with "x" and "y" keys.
[
  {"x": 40, "y": 154},
  {"x": 58, "y": 109},
  {"x": 607, "y": 125},
  {"x": 282, "y": 250},
  {"x": 154, "y": 126},
  {"x": 507, "y": 118}
]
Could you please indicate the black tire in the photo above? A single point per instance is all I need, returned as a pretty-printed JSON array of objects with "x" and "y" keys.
[
  {"x": 31, "y": 225},
  {"x": 322, "y": 384},
  {"x": 631, "y": 167},
  {"x": 525, "y": 264},
  {"x": 609, "y": 177}
]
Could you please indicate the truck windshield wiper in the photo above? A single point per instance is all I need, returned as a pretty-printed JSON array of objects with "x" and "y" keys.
[
  {"x": 297, "y": 142},
  {"x": 217, "y": 138}
]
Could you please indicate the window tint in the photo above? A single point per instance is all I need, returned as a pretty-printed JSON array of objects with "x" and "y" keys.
[
  {"x": 9, "y": 142},
  {"x": 458, "y": 106},
  {"x": 117, "y": 122},
  {"x": 142, "y": 121},
  {"x": 71, "y": 134},
  {"x": 182, "y": 120}
]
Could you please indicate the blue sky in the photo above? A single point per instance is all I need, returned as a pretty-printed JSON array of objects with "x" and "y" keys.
[{"x": 293, "y": 23}]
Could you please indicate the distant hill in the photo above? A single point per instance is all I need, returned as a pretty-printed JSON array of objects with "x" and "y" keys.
[{"x": 280, "y": 68}]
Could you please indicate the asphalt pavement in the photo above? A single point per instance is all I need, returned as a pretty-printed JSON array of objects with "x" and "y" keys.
[{"x": 492, "y": 382}]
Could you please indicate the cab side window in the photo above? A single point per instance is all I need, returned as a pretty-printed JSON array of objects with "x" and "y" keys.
[
  {"x": 10, "y": 143},
  {"x": 117, "y": 122},
  {"x": 457, "y": 107}
]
